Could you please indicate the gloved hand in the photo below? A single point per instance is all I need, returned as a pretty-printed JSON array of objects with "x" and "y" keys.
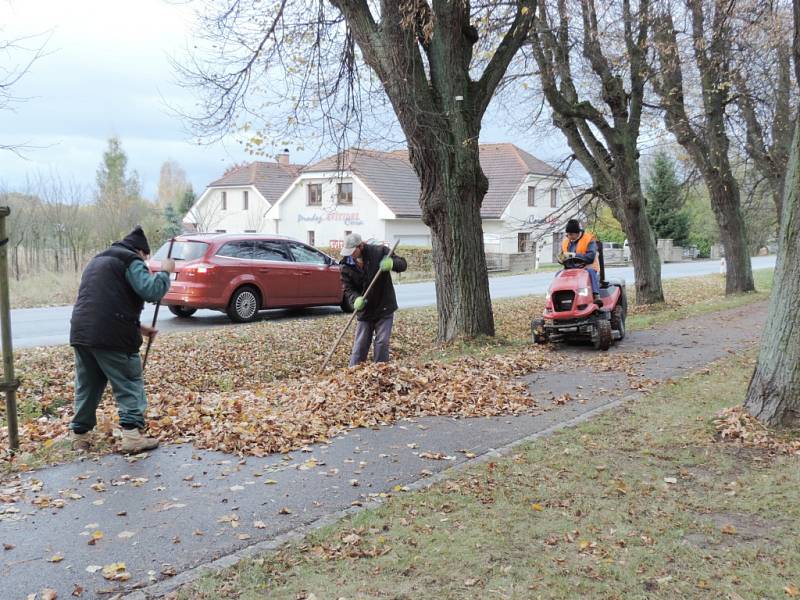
[
  {"x": 386, "y": 264},
  {"x": 360, "y": 303}
]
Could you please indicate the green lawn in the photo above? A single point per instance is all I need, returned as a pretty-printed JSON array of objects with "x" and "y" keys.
[{"x": 641, "y": 502}]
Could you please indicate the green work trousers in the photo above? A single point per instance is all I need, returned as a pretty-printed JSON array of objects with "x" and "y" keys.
[{"x": 94, "y": 368}]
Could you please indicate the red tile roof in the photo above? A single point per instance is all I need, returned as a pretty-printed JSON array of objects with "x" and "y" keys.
[
  {"x": 391, "y": 178},
  {"x": 271, "y": 179}
]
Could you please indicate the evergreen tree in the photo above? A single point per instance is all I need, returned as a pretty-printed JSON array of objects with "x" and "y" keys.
[
  {"x": 118, "y": 195},
  {"x": 664, "y": 207},
  {"x": 186, "y": 201},
  {"x": 172, "y": 225}
]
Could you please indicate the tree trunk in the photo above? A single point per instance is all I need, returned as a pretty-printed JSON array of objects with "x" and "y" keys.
[
  {"x": 774, "y": 392},
  {"x": 453, "y": 186},
  {"x": 644, "y": 254},
  {"x": 727, "y": 210}
]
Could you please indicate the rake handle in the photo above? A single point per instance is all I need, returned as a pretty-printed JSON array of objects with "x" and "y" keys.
[{"x": 155, "y": 315}]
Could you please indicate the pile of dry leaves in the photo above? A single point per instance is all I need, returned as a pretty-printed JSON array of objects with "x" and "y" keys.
[
  {"x": 737, "y": 425},
  {"x": 290, "y": 414}
]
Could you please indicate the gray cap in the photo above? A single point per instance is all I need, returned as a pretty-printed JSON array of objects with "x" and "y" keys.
[{"x": 350, "y": 243}]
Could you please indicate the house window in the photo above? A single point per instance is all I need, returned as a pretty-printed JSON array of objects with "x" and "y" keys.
[
  {"x": 523, "y": 242},
  {"x": 314, "y": 194},
  {"x": 531, "y": 195},
  {"x": 246, "y": 198},
  {"x": 553, "y": 198},
  {"x": 224, "y": 200},
  {"x": 311, "y": 238},
  {"x": 344, "y": 193}
]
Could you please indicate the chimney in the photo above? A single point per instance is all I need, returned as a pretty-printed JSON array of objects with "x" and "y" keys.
[{"x": 283, "y": 158}]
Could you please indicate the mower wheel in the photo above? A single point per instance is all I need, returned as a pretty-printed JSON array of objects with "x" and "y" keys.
[
  {"x": 538, "y": 332},
  {"x": 183, "y": 312},
  {"x": 618, "y": 321},
  {"x": 603, "y": 331}
]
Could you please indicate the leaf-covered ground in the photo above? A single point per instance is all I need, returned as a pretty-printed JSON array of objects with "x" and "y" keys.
[
  {"x": 255, "y": 389},
  {"x": 641, "y": 502}
]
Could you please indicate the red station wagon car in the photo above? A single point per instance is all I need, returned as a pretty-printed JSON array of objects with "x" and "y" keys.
[{"x": 244, "y": 273}]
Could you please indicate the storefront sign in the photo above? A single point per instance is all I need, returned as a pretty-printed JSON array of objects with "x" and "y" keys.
[{"x": 352, "y": 218}]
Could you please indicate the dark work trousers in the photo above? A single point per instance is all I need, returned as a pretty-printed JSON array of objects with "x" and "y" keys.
[
  {"x": 94, "y": 369},
  {"x": 381, "y": 330}
]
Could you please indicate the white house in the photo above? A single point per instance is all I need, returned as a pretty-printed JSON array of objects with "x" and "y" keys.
[
  {"x": 377, "y": 195},
  {"x": 240, "y": 199}
]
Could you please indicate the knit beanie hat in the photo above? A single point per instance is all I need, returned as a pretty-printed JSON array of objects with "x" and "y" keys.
[
  {"x": 573, "y": 226},
  {"x": 137, "y": 240}
]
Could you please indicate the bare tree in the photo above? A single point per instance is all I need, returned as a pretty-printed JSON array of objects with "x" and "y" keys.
[
  {"x": 773, "y": 395},
  {"x": 766, "y": 96},
  {"x": 17, "y": 56},
  {"x": 599, "y": 109},
  {"x": 704, "y": 133},
  {"x": 172, "y": 184},
  {"x": 423, "y": 56}
]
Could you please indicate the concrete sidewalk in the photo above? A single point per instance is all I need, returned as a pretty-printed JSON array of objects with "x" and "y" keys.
[{"x": 181, "y": 507}]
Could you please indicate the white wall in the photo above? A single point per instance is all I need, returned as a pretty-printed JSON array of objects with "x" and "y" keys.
[
  {"x": 292, "y": 216},
  {"x": 209, "y": 215},
  {"x": 410, "y": 232},
  {"x": 518, "y": 217}
]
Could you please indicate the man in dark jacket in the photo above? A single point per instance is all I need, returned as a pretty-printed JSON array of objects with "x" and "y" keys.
[
  {"x": 375, "y": 312},
  {"x": 106, "y": 334}
]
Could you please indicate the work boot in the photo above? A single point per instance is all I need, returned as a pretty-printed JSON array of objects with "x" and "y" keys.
[
  {"x": 81, "y": 442},
  {"x": 133, "y": 442}
]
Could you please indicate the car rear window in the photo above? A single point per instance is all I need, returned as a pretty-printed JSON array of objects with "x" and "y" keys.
[
  {"x": 240, "y": 249},
  {"x": 183, "y": 250}
]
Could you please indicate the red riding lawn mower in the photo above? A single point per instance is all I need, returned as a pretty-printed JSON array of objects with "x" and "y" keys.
[{"x": 571, "y": 314}]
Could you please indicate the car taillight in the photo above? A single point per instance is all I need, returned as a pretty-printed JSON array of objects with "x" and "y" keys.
[{"x": 199, "y": 269}]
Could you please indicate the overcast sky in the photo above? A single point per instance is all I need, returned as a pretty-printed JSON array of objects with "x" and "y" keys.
[{"x": 107, "y": 72}]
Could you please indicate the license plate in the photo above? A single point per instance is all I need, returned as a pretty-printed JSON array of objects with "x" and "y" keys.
[{"x": 173, "y": 276}]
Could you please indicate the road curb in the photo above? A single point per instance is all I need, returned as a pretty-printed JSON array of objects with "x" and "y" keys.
[{"x": 166, "y": 586}]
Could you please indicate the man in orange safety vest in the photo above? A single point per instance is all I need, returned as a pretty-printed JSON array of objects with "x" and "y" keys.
[{"x": 582, "y": 245}]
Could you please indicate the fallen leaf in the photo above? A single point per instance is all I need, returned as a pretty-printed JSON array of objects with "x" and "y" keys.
[
  {"x": 672, "y": 480},
  {"x": 56, "y": 558},
  {"x": 729, "y": 529},
  {"x": 49, "y": 594},
  {"x": 259, "y": 525},
  {"x": 792, "y": 591}
]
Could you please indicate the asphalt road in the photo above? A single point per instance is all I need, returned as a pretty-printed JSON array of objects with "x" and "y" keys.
[{"x": 50, "y": 326}]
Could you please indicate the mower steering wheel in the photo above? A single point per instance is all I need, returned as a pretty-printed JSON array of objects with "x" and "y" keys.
[{"x": 575, "y": 261}]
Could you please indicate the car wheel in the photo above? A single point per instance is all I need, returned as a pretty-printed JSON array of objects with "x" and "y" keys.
[
  {"x": 603, "y": 338},
  {"x": 346, "y": 305},
  {"x": 184, "y": 312},
  {"x": 244, "y": 305}
]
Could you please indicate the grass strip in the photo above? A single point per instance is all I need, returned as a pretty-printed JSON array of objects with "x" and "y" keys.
[{"x": 641, "y": 502}]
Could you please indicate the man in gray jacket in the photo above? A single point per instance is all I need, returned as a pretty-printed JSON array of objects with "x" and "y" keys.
[
  {"x": 105, "y": 333},
  {"x": 375, "y": 313}
]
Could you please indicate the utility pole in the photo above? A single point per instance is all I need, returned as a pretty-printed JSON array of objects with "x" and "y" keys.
[{"x": 9, "y": 384}]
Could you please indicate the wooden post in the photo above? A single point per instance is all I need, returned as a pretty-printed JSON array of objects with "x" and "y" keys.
[{"x": 9, "y": 384}]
